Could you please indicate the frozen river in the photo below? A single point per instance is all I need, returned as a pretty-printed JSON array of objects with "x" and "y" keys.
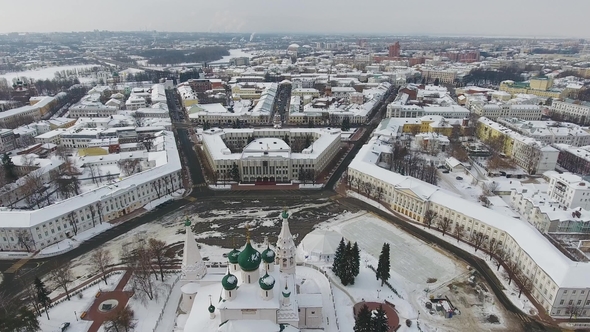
[{"x": 42, "y": 73}]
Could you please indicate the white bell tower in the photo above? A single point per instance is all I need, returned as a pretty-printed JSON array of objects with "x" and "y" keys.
[
  {"x": 285, "y": 255},
  {"x": 193, "y": 267}
]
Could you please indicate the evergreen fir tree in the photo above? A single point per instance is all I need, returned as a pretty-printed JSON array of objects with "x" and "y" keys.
[
  {"x": 356, "y": 259},
  {"x": 346, "y": 276},
  {"x": 42, "y": 295},
  {"x": 9, "y": 167},
  {"x": 338, "y": 255},
  {"x": 363, "y": 320},
  {"x": 379, "y": 321},
  {"x": 384, "y": 264}
]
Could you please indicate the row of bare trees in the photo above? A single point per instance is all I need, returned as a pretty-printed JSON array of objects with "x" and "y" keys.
[
  {"x": 148, "y": 259},
  {"x": 479, "y": 240},
  {"x": 406, "y": 162}
]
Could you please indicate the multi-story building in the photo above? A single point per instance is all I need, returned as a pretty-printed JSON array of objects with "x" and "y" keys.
[
  {"x": 574, "y": 159},
  {"x": 504, "y": 110},
  {"x": 531, "y": 87},
  {"x": 7, "y": 140},
  {"x": 187, "y": 95},
  {"x": 569, "y": 190},
  {"x": 547, "y": 214},
  {"x": 575, "y": 109},
  {"x": 42, "y": 227},
  {"x": 549, "y": 132},
  {"x": 531, "y": 155},
  {"x": 95, "y": 110},
  {"x": 265, "y": 155},
  {"x": 558, "y": 284},
  {"x": 302, "y": 92}
]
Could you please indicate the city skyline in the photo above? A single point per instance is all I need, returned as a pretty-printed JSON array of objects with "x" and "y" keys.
[{"x": 457, "y": 18}]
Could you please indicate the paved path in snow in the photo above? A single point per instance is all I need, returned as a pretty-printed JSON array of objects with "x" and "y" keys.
[
  {"x": 118, "y": 294},
  {"x": 327, "y": 298},
  {"x": 166, "y": 324}
]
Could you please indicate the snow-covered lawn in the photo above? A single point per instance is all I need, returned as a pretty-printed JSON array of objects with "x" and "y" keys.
[
  {"x": 418, "y": 270},
  {"x": 43, "y": 73},
  {"x": 147, "y": 313},
  {"x": 68, "y": 311}
]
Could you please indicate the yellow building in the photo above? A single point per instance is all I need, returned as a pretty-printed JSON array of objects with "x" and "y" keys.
[
  {"x": 529, "y": 88},
  {"x": 539, "y": 83},
  {"x": 431, "y": 124}
]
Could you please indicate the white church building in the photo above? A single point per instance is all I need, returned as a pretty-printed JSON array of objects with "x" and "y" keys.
[{"x": 258, "y": 291}]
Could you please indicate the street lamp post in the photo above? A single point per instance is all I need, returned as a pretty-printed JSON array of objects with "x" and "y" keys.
[
  {"x": 378, "y": 291},
  {"x": 76, "y": 315}
]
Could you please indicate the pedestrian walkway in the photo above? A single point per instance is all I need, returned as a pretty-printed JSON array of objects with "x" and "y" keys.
[
  {"x": 121, "y": 297},
  {"x": 19, "y": 264},
  {"x": 166, "y": 324}
]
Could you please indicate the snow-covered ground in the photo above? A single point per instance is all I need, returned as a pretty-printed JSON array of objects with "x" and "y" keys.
[
  {"x": 69, "y": 311},
  {"x": 43, "y": 73},
  {"x": 233, "y": 53},
  {"x": 148, "y": 312},
  {"x": 419, "y": 293}
]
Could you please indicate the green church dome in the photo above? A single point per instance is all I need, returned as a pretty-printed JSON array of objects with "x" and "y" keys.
[
  {"x": 229, "y": 282},
  {"x": 211, "y": 308},
  {"x": 266, "y": 282},
  {"x": 249, "y": 258},
  {"x": 268, "y": 255},
  {"x": 232, "y": 256}
]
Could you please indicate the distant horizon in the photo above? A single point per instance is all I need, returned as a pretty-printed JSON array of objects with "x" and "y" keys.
[
  {"x": 502, "y": 19},
  {"x": 287, "y": 34}
]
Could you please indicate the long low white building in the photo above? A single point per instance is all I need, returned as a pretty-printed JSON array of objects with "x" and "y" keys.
[
  {"x": 560, "y": 285},
  {"x": 268, "y": 155},
  {"x": 40, "y": 228}
]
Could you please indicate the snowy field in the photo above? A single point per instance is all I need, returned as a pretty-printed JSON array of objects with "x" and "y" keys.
[
  {"x": 233, "y": 53},
  {"x": 418, "y": 270},
  {"x": 43, "y": 73}
]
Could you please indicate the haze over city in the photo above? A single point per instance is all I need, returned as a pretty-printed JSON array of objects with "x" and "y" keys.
[{"x": 530, "y": 18}]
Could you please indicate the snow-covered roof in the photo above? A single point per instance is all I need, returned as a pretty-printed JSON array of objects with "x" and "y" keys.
[
  {"x": 321, "y": 242},
  {"x": 167, "y": 161},
  {"x": 565, "y": 272}
]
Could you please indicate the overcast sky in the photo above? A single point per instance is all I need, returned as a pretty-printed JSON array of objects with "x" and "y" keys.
[{"x": 535, "y": 18}]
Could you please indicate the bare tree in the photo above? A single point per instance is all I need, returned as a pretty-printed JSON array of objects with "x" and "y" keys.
[
  {"x": 379, "y": 194},
  {"x": 120, "y": 320},
  {"x": 160, "y": 254},
  {"x": 129, "y": 166},
  {"x": 494, "y": 247},
  {"x": 148, "y": 142},
  {"x": 459, "y": 232},
  {"x": 92, "y": 209},
  {"x": 25, "y": 239},
  {"x": 489, "y": 188},
  {"x": 511, "y": 270},
  {"x": 110, "y": 177},
  {"x": 477, "y": 239},
  {"x": 72, "y": 221},
  {"x": 33, "y": 183},
  {"x": 485, "y": 201},
  {"x": 524, "y": 283},
  {"x": 30, "y": 295},
  {"x": 444, "y": 224},
  {"x": 368, "y": 188},
  {"x": 101, "y": 259},
  {"x": 139, "y": 261},
  {"x": 94, "y": 174},
  {"x": 99, "y": 207},
  {"x": 62, "y": 152},
  {"x": 61, "y": 276},
  {"x": 429, "y": 217}
]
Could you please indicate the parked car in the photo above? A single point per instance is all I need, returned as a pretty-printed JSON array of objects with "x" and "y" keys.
[
  {"x": 446, "y": 171},
  {"x": 64, "y": 326},
  {"x": 459, "y": 178}
]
